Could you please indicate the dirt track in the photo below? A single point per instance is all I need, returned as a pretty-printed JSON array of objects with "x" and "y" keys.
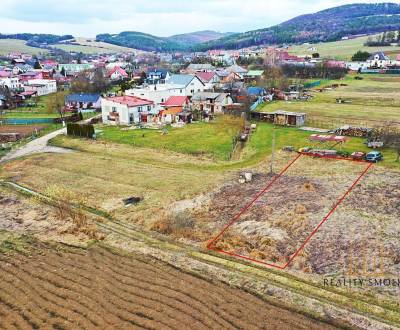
[{"x": 98, "y": 289}]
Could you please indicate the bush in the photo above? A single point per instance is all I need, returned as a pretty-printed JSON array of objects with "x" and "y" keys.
[
  {"x": 360, "y": 56},
  {"x": 81, "y": 130}
]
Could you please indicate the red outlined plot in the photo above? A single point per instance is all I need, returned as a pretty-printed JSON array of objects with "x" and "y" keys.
[{"x": 211, "y": 245}]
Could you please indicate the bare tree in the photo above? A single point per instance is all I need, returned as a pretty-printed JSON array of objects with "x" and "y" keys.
[
  {"x": 55, "y": 103},
  {"x": 390, "y": 136}
]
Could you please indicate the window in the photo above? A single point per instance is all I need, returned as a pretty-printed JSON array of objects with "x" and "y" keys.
[
  {"x": 148, "y": 108},
  {"x": 162, "y": 100},
  {"x": 180, "y": 91},
  {"x": 140, "y": 109},
  {"x": 114, "y": 109}
]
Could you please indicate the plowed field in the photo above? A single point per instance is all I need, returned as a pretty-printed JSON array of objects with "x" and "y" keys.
[{"x": 98, "y": 289}]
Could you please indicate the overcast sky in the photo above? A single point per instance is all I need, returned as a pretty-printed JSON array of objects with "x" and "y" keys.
[{"x": 87, "y": 18}]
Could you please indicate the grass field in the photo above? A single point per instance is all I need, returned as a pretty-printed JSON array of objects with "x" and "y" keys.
[
  {"x": 91, "y": 46},
  {"x": 209, "y": 139},
  {"x": 13, "y": 45},
  {"x": 342, "y": 50},
  {"x": 374, "y": 101}
]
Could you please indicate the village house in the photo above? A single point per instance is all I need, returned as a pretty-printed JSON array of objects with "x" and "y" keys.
[
  {"x": 31, "y": 75},
  {"x": 174, "y": 106},
  {"x": 83, "y": 102},
  {"x": 157, "y": 76},
  {"x": 72, "y": 68},
  {"x": 253, "y": 75},
  {"x": 175, "y": 85},
  {"x": 157, "y": 93},
  {"x": 187, "y": 83},
  {"x": 211, "y": 102},
  {"x": 12, "y": 83},
  {"x": 41, "y": 86},
  {"x": 117, "y": 74},
  {"x": 379, "y": 60},
  {"x": 209, "y": 79},
  {"x": 127, "y": 110},
  {"x": 194, "y": 68},
  {"x": 238, "y": 70}
]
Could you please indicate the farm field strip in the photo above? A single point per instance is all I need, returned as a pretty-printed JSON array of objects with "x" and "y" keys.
[
  {"x": 306, "y": 232},
  {"x": 102, "y": 289}
]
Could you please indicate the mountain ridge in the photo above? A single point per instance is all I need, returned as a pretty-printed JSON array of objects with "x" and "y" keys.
[{"x": 326, "y": 25}]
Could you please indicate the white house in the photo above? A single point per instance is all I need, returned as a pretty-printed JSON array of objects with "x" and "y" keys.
[
  {"x": 355, "y": 66},
  {"x": 175, "y": 85},
  {"x": 11, "y": 83},
  {"x": 126, "y": 110},
  {"x": 156, "y": 93},
  {"x": 187, "y": 83},
  {"x": 211, "y": 102},
  {"x": 41, "y": 86},
  {"x": 379, "y": 60},
  {"x": 209, "y": 79}
]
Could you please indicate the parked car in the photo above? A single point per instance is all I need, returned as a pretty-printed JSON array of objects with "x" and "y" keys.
[
  {"x": 374, "y": 156},
  {"x": 358, "y": 155},
  {"x": 305, "y": 149}
]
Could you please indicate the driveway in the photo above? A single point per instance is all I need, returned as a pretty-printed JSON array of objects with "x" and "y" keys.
[{"x": 38, "y": 145}]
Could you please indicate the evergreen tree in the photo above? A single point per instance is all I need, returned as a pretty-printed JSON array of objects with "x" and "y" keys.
[{"x": 37, "y": 65}]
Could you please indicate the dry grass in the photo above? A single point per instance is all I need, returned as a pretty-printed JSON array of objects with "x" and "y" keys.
[{"x": 104, "y": 179}]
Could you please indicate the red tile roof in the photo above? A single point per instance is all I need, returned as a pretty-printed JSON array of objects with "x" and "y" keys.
[
  {"x": 176, "y": 101},
  {"x": 121, "y": 71},
  {"x": 130, "y": 101},
  {"x": 205, "y": 76}
]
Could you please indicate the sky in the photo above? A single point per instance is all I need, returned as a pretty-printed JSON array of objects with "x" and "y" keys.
[{"x": 87, "y": 18}]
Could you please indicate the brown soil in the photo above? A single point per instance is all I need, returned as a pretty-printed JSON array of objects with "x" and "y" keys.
[
  {"x": 99, "y": 289},
  {"x": 21, "y": 129}
]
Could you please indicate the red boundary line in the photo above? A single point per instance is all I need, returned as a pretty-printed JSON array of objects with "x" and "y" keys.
[{"x": 210, "y": 246}]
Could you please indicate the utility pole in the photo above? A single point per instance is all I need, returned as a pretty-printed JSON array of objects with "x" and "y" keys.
[{"x": 271, "y": 169}]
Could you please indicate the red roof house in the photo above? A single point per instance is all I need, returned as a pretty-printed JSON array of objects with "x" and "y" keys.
[
  {"x": 206, "y": 77},
  {"x": 117, "y": 73},
  {"x": 176, "y": 101}
]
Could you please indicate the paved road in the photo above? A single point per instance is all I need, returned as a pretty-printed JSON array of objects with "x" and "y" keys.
[
  {"x": 40, "y": 145},
  {"x": 37, "y": 146}
]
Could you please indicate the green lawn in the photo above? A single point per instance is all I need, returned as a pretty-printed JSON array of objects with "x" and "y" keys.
[
  {"x": 197, "y": 139},
  {"x": 375, "y": 100},
  {"x": 29, "y": 114},
  {"x": 210, "y": 139},
  {"x": 341, "y": 50}
]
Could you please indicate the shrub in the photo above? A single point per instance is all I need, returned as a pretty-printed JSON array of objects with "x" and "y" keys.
[{"x": 81, "y": 130}]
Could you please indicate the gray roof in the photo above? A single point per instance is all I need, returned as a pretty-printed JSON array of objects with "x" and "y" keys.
[
  {"x": 381, "y": 56},
  {"x": 222, "y": 73},
  {"x": 288, "y": 113},
  {"x": 182, "y": 79},
  {"x": 202, "y": 96},
  {"x": 236, "y": 68},
  {"x": 205, "y": 66}
]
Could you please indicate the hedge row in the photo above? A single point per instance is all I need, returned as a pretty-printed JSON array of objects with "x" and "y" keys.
[{"x": 81, "y": 130}]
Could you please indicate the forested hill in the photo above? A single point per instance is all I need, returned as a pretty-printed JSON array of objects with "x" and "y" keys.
[
  {"x": 150, "y": 42},
  {"x": 327, "y": 25},
  {"x": 36, "y": 39}
]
